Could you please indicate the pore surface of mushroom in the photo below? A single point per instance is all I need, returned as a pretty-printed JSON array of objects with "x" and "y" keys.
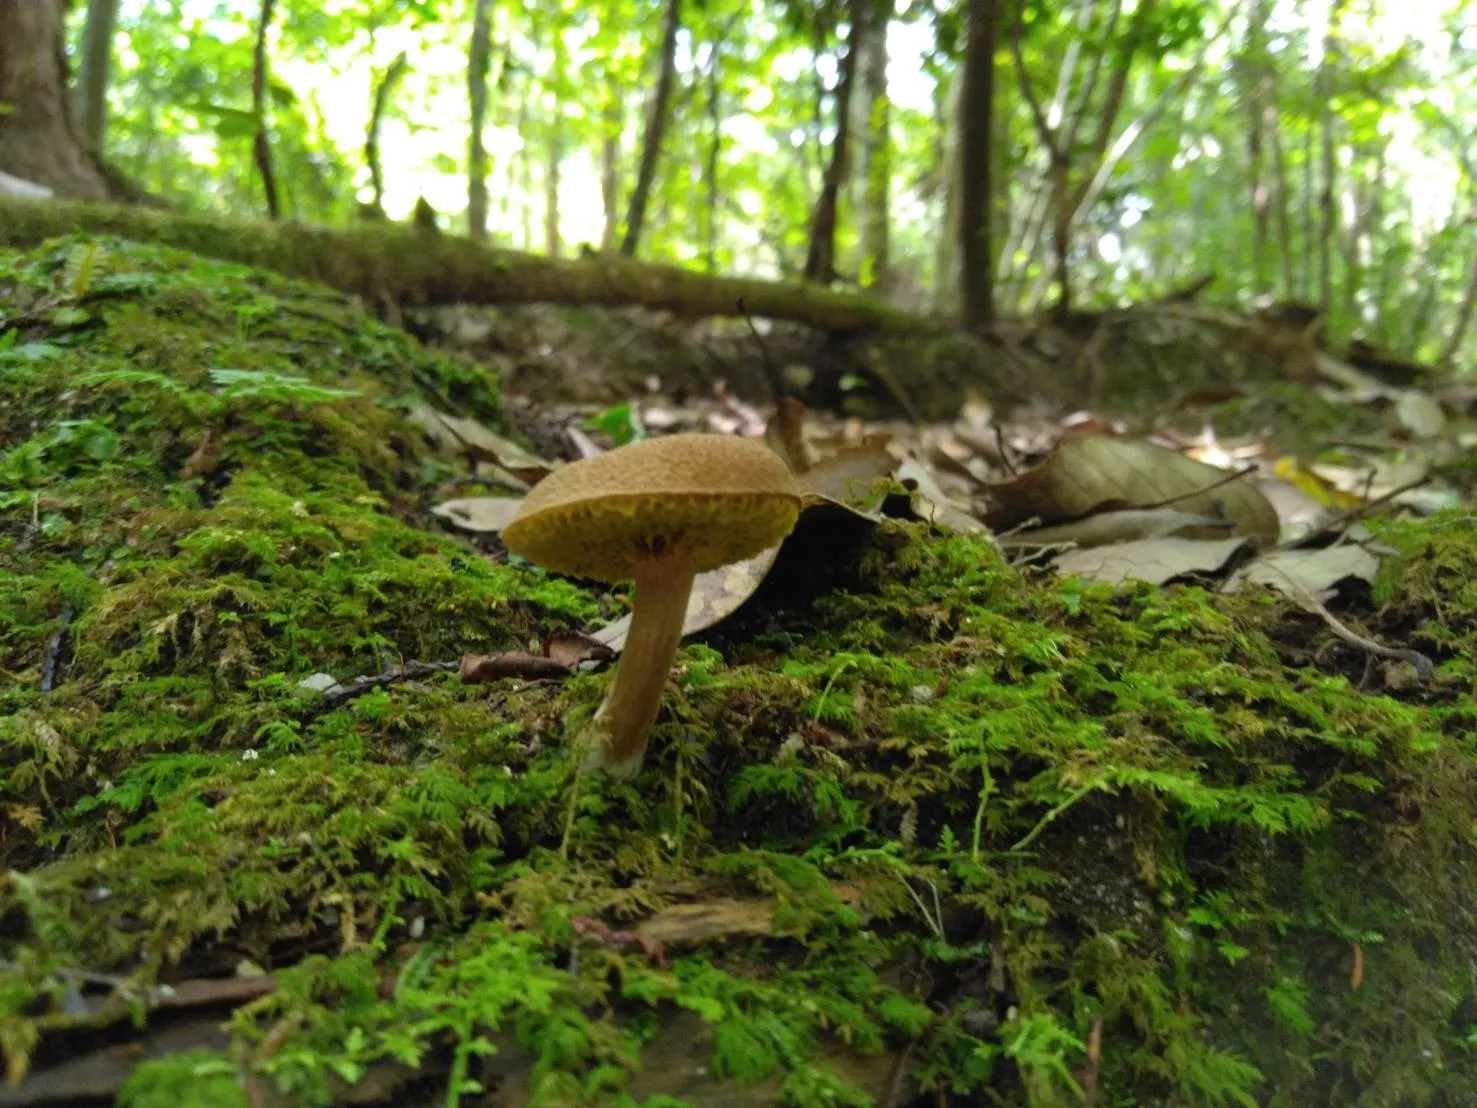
[{"x": 658, "y": 513}]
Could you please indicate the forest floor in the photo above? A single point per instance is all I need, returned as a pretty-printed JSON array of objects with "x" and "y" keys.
[{"x": 924, "y": 821}]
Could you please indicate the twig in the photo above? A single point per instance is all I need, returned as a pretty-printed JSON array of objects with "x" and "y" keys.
[
  {"x": 54, "y": 649},
  {"x": 391, "y": 674},
  {"x": 1226, "y": 480},
  {"x": 1424, "y": 667},
  {"x": 1343, "y": 519},
  {"x": 771, "y": 371}
]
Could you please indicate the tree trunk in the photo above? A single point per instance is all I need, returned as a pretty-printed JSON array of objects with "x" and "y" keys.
[
  {"x": 946, "y": 260},
  {"x": 976, "y": 116},
  {"x": 92, "y": 78},
  {"x": 1254, "y": 93},
  {"x": 554, "y": 160},
  {"x": 1453, "y": 345},
  {"x": 656, "y": 127},
  {"x": 820, "y": 261},
  {"x": 610, "y": 160},
  {"x": 382, "y": 93},
  {"x": 1284, "y": 198},
  {"x": 1329, "y": 224},
  {"x": 479, "y": 63},
  {"x": 261, "y": 145},
  {"x": 713, "y": 205},
  {"x": 875, "y": 169},
  {"x": 39, "y": 142}
]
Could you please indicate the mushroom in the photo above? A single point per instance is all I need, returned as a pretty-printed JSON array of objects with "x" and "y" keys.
[{"x": 658, "y": 512}]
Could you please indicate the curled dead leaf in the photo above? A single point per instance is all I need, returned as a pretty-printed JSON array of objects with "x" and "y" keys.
[{"x": 1092, "y": 473}]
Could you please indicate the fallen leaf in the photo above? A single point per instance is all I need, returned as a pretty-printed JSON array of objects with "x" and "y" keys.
[
  {"x": 1153, "y": 560},
  {"x": 573, "y": 648},
  {"x": 1419, "y": 415},
  {"x": 471, "y": 437},
  {"x": 1092, "y": 473},
  {"x": 483, "y": 514},
  {"x": 1315, "y": 572},
  {"x": 848, "y": 475},
  {"x": 785, "y": 434},
  {"x": 930, "y": 502},
  {"x": 1128, "y": 525},
  {"x": 478, "y": 669},
  {"x": 715, "y": 596}
]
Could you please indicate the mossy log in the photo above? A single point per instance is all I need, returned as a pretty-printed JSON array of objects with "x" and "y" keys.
[{"x": 413, "y": 267}]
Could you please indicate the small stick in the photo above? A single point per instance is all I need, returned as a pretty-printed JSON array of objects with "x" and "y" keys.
[{"x": 50, "y": 663}]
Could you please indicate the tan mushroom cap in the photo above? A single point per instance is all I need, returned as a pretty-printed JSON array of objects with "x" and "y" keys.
[{"x": 715, "y": 499}]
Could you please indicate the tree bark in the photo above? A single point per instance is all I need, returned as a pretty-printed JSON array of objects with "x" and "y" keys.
[
  {"x": 261, "y": 145},
  {"x": 1284, "y": 197},
  {"x": 382, "y": 93},
  {"x": 946, "y": 261},
  {"x": 656, "y": 127},
  {"x": 1458, "y": 334},
  {"x": 479, "y": 64},
  {"x": 373, "y": 259},
  {"x": 610, "y": 158},
  {"x": 976, "y": 116},
  {"x": 1329, "y": 224},
  {"x": 820, "y": 261},
  {"x": 92, "y": 78},
  {"x": 1254, "y": 94},
  {"x": 39, "y": 141},
  {"x": 875, "y": 168}
]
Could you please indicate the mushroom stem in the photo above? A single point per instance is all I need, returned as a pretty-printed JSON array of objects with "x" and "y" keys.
[{"x": 658, "y": 610}]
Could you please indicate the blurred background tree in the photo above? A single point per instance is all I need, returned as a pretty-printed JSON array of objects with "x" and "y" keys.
[{"x": 976, "y": 157}]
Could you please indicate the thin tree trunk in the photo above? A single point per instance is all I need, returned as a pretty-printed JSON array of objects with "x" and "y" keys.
[
  {"x": 1254, "y": 92},
  {"x": 39, "y": 141},
  {"x": 382, "y": 93},
  {"x": 1329, "y": 225},
  {"x": 976, "y": 117},
  {"x": 946, "y": 122},
  {"x": 876, "y": 160},
  {"x": 92, "y": 76},
  {"x": 820, "y": 262},
  {"x": 261, "y": 145},
  {"x": 1458, "y": 334},
  {"x": 710, "y": 170},
  {"x": 1310, "y": 234},
  {"x": 1284, "y": 198},
  {"x": 656, "y": 127},
  {"x": 554, "y": 160},
  {"x": 610, "y": 157},
  {"x": 479, "y": 64},
  {"x": 552, "y": 169}
]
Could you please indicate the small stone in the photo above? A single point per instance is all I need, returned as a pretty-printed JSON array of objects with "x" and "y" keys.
[{"x": 923, "y": 694}]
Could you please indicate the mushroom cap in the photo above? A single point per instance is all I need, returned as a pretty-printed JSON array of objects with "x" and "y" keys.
[{"x": 714, "y": 499}]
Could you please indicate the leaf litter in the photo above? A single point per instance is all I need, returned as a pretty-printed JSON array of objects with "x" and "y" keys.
[{"x": 1079, "y": 491}]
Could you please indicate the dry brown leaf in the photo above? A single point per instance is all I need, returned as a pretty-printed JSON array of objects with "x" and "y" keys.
[
  {"x": 1315, "y": 572},
  {"x": 930, "y": 501},
  {"x": 1129, "y": 525},
  {"x": 483, "y": 514},
  {"x": 571, "y": 648},
  {"x": 847, "y": 476},
  {"x": 1153, "y": 560},
  {"x": 785, "y": 434},
  {"x": 470, "y": 437},
  {"x": 477, "y": 669},
  {"x": 715, "y": 596},
  {"x": 1092, "y": 473}
]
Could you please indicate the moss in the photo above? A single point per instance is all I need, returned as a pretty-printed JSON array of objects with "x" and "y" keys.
[{"x": 992, "y": 811}]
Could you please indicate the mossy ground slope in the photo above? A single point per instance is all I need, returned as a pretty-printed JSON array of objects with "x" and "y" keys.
[{"x": 1043, "y": 842}]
